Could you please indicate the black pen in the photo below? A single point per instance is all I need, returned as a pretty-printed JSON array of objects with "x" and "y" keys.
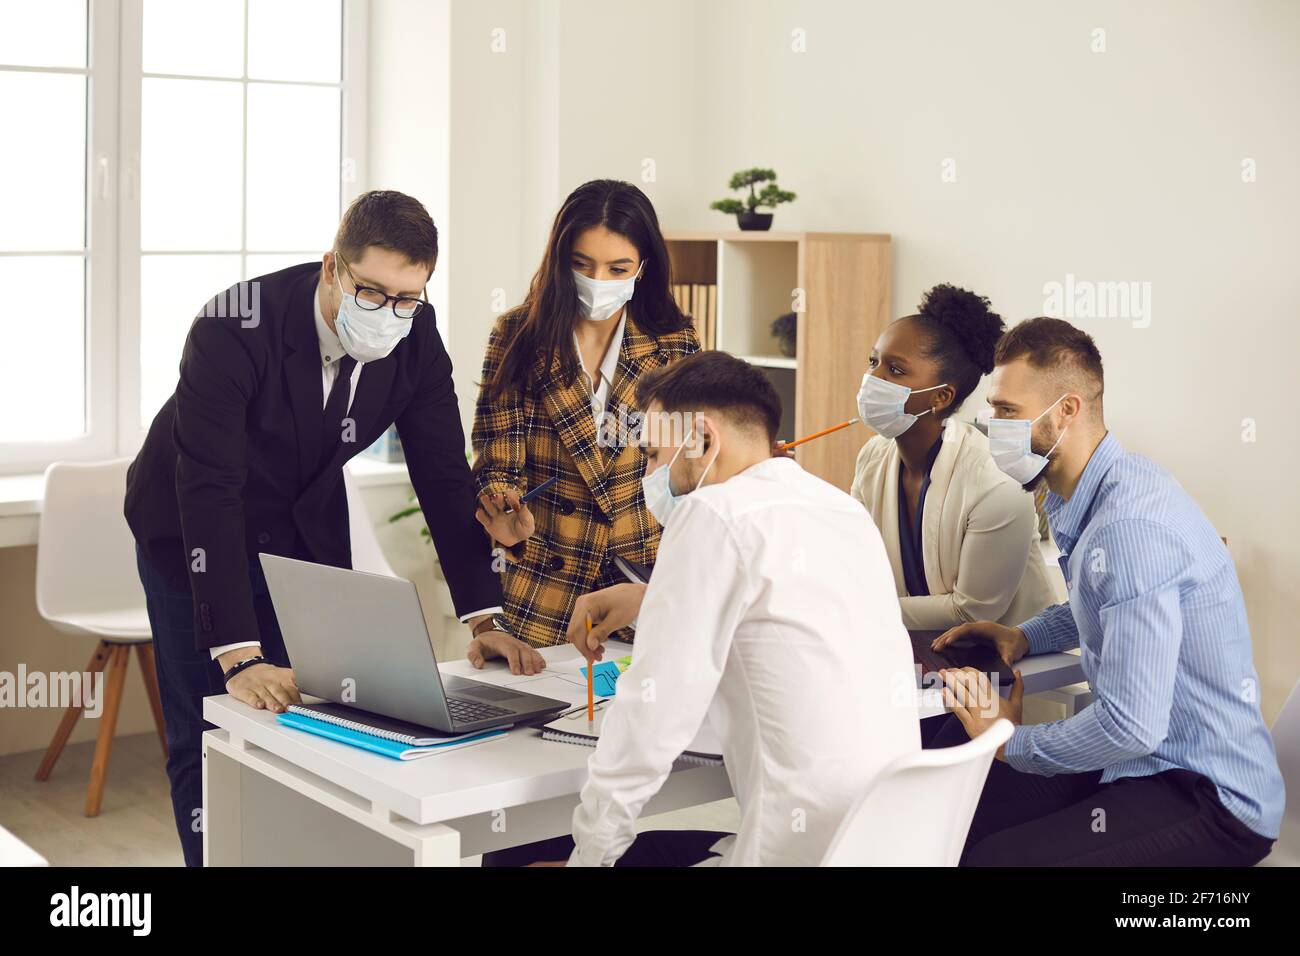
[{"x": 535, "y": 492}]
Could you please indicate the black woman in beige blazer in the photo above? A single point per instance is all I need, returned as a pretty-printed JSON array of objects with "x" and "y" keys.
[{"x": 973, "y": 555}]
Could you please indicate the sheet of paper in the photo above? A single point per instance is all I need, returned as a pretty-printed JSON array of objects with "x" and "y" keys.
[{"x": 555, "y": 687}]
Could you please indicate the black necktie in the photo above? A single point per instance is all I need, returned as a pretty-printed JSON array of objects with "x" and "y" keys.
[{"x": 336, "y": 408}]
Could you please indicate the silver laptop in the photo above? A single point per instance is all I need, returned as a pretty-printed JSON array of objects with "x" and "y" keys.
[{"x": 359, "y": 639}]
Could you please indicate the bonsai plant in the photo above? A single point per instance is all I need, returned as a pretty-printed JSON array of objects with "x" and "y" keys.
[
  {"x": 783, "y": 330},
  {"x": 770, "y": 196}
]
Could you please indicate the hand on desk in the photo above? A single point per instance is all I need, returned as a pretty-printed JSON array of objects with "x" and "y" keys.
[
  {"x": 520, "y": 655},
  {"x": 263, "y": 686},
  {"x": 610, "y": 609},
  {"x": 508, "y": 529},
  {"x": 969, "y": 694},
  {"x": 1009, "y": 642}
]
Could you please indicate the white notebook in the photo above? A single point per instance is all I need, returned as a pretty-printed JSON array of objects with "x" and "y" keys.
[{"x": 706, "y": 748}]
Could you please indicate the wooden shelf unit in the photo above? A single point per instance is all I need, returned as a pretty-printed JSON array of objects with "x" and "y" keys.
[{"x": 844, "y": 278}]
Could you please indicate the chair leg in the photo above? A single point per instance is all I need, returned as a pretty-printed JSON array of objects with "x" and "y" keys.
[
  {"x": 144, "y": 653},
  {"x": 107, "y": 726},
  {"x": 70, "y": 716}
]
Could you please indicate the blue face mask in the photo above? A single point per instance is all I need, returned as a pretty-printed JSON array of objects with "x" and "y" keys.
[{"x": 658, "y": 488}]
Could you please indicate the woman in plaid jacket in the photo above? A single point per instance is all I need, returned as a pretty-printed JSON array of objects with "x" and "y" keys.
[{"x": 556, "y": 401}]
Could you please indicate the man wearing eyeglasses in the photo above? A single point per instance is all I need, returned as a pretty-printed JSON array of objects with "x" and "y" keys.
[{"x": 283, "y": 378}]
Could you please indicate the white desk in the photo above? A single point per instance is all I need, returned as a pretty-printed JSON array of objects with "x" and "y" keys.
[
  {"x": 275, "y": 796},
  {"x": 14, "y": 852}
]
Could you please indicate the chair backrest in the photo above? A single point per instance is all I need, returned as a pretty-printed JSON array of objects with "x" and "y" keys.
[
  {"x": 367, "y": 555},
  {"x": 85, "y": 553},
  {"x": 918, "y": 810},
  {"x": 1286, "y": 741}
]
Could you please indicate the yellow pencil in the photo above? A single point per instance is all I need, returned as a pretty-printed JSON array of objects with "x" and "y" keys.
[{"x": 591, "y": 686}]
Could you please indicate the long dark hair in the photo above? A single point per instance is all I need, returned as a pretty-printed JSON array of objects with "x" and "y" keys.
[{"x": 549, "y": 313}]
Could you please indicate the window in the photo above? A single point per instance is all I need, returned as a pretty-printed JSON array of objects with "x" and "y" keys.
[
  {"x": 173, "y": 148},
  {"x": 48, "y": 264}
]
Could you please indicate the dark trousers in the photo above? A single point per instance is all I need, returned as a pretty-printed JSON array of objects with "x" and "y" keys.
[
  {"x": 1172, "y": 818},
  {"x": 185, "y": 677},
  {"x": 654, "y": 848}
]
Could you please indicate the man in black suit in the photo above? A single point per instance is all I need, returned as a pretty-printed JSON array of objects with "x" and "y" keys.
[{"x": 284, "y": 378}]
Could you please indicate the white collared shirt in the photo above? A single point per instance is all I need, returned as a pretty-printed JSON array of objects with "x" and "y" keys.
[
  {"x": 605, "y": 374},
  {"x": 331, "y": 351},
  {"x": 772, "y": 616}
]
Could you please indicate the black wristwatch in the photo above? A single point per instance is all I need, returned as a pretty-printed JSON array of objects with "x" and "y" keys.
[{"x": 243, "y": 665}]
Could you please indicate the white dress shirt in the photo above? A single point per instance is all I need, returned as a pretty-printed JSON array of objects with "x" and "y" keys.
[
  {"x": 331, "y": 351},
  {"x": 772, "y": 615},
  {"x": 605, "y": 374}
]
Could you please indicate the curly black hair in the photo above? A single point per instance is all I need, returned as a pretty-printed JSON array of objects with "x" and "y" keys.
[{"x": 963, "y": 332}]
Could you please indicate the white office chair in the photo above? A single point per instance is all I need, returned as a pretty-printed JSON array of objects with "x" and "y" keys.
[
  {"x": 87, "y": 584},
  {"x": 367, "y": 555},
  {"x": 918, "y": 810},
  {"x": 1286, "y": 741}
]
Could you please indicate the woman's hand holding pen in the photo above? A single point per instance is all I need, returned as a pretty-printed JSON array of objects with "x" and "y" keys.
[
  {"x": 506, "y": 527},
  {"x": 610, "y": 609}
]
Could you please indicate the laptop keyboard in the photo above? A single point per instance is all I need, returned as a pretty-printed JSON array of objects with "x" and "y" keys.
[{"x": 465, "y": 711}]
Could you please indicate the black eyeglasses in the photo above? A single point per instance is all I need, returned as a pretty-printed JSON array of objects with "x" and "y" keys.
[{"x": 404, "y": 306}]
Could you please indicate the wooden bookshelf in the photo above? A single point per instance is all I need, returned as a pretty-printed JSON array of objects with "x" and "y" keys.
[{"x": 845, "y": 281}]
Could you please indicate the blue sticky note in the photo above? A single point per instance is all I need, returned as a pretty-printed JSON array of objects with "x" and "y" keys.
[{"x": 604, "y": 677}]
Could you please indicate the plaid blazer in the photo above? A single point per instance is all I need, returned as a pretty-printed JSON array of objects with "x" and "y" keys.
[{"x": 596, "y": 509}]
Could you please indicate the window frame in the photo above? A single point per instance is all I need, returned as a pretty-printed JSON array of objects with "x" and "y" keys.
[{"x": 112, "y": 254}]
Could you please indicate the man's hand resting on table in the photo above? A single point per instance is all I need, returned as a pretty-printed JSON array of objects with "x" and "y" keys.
[
  {"x": 262, "y": 686},
  {"x": 610, "y": 609},
  {"x": 1009, "y": 642}
]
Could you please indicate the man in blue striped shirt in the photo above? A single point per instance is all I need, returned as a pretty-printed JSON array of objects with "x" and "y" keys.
[{"x": 1172, "y": 763}]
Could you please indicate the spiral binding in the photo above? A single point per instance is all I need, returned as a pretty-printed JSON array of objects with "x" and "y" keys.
[
  {"x": 582, "y": 741},
  {"x": 353, "y": 725}
]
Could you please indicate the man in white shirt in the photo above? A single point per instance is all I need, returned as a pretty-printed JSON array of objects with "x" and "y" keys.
[{"x": 771, "y": 614}]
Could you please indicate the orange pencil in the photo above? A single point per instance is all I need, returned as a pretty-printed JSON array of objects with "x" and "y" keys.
[
  {"x": 591, "y": 686},
  {"x": 824, "y": 431}
]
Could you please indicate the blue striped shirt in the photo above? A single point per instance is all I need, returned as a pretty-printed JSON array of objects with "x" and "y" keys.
[{"x": 1158, "y": 615}]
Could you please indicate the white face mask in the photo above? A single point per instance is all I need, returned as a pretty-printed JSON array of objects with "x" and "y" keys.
[
  {"x": 367, "y": 334},
  {"x": 1011, "y": 445},
  {"x": 658, "y": 489},
  {"x": 598, "y": 299},
  {"x": 880, "y": 403}
]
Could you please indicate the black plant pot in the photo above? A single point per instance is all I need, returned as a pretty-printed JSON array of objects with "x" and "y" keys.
[{"x": 754, "y": 221}]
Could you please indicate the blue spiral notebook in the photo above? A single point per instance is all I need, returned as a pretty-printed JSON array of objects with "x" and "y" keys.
[{"x": 395, "y": 749}]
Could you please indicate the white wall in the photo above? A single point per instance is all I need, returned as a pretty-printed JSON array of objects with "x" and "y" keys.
[{"x": 1122, "y": 165}]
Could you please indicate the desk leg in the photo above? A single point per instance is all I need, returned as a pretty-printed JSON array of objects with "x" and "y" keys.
[
  {"x": 221, "y": 808},
  {"x": 260, "y": 810}
]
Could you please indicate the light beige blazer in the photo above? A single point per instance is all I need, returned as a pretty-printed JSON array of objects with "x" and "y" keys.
[{"x": 979, "y": 534}]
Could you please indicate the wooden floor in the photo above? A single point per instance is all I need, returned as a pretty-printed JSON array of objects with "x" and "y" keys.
[{"x": 135, "y": 826}]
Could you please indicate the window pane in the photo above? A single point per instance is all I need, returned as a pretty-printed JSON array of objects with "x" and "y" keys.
[
  {"x": 42, "y": 190},
  {"x": 263, "y": 265},
  {"x": 295, "y": 40},
  {"x": 44, "y": 33},
  {"x": 293, "y": 166},
  {"x": 194, "y": 37},
  {"x": 173, "y": 290},
  {"x": 191, "y": 145},
  {"x": 44, "y": 387}
]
